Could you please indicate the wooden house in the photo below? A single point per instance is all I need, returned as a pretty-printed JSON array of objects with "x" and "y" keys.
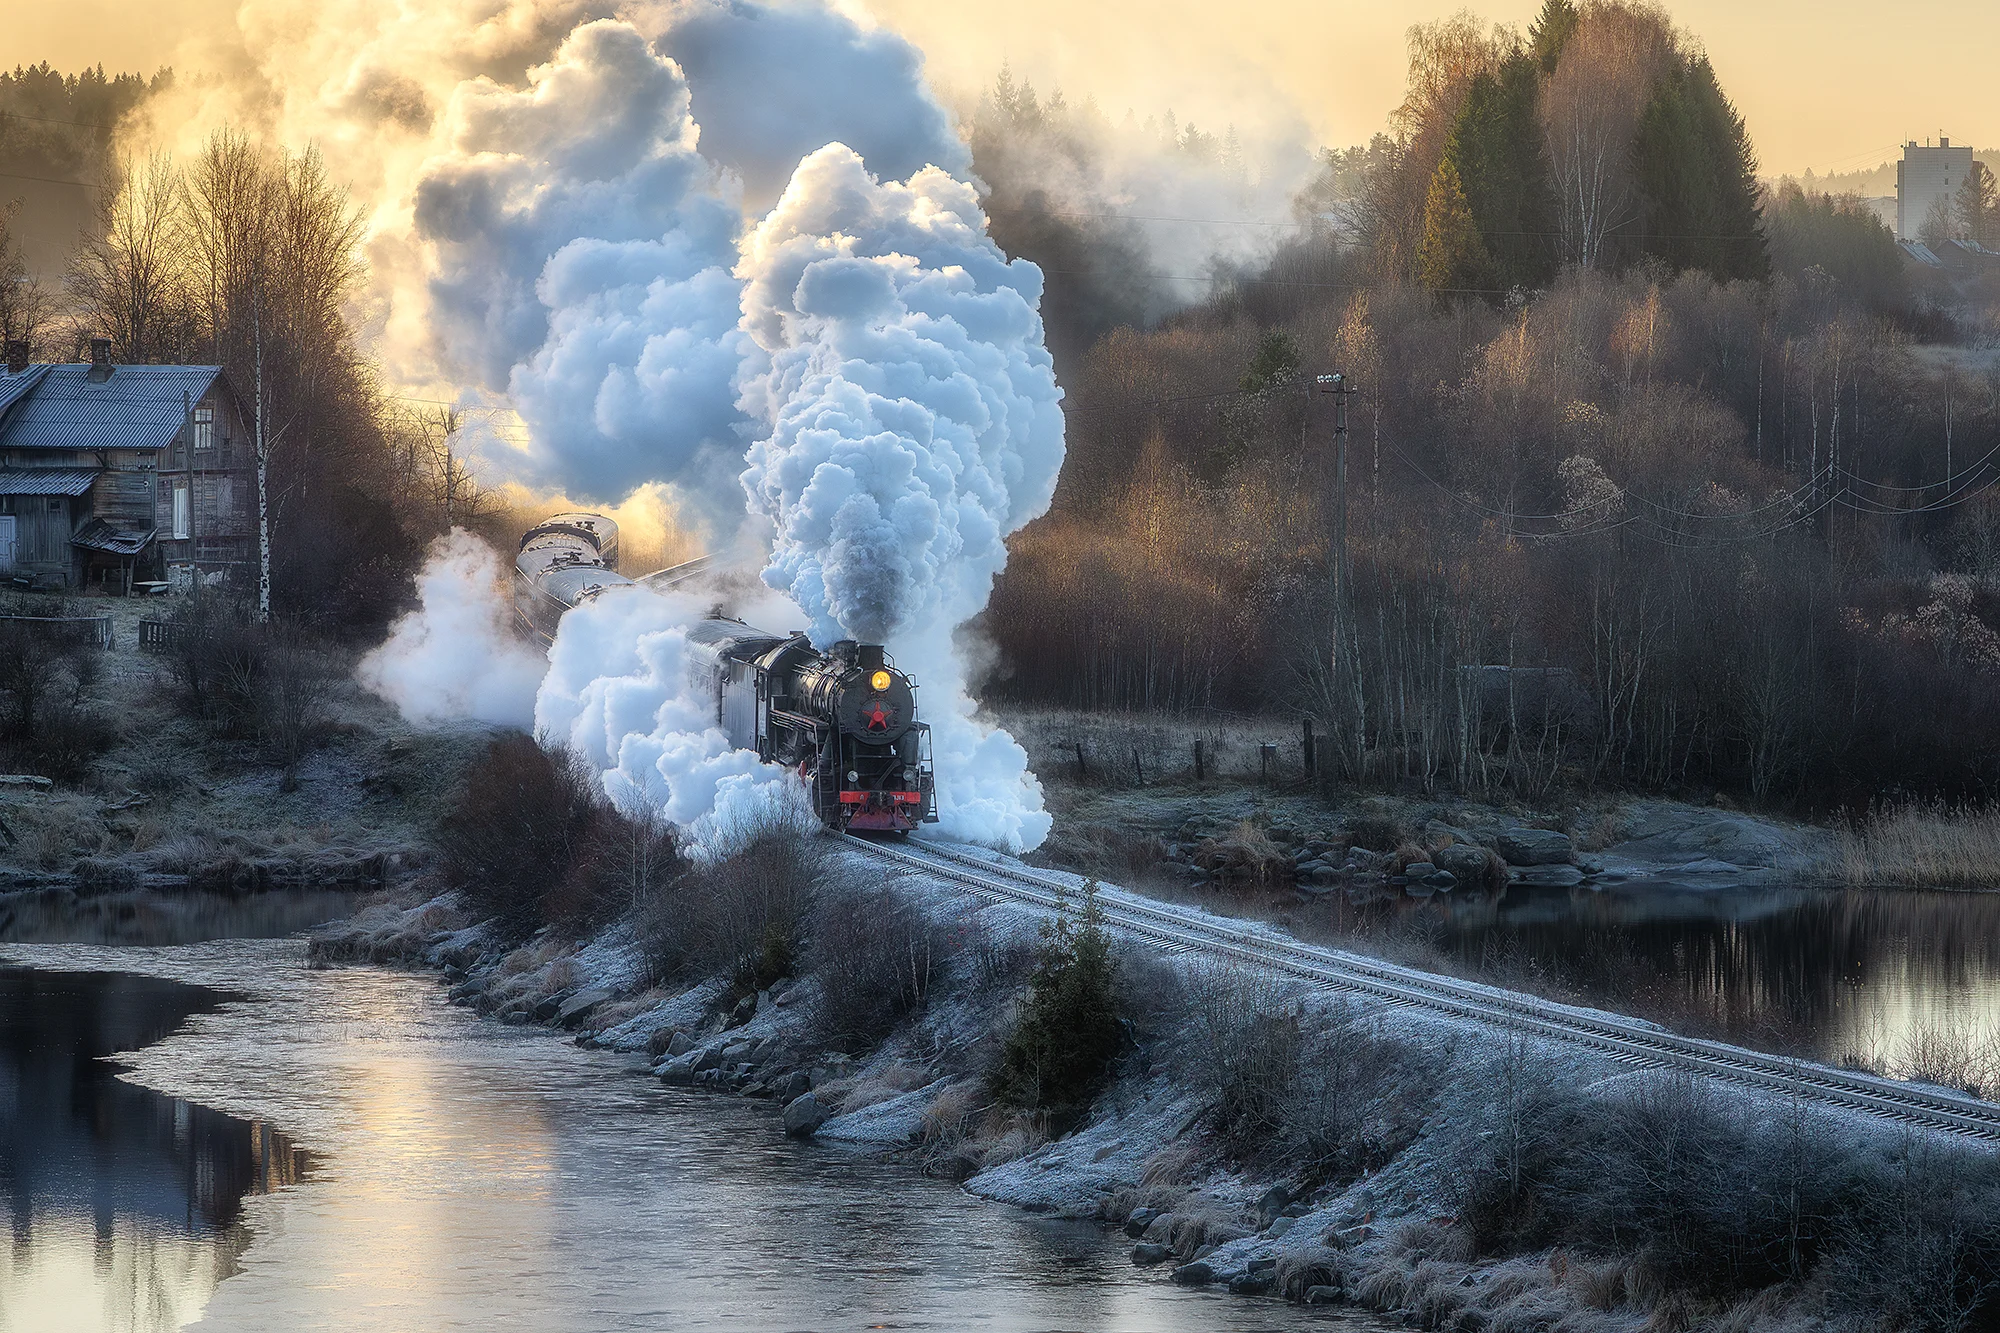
[{"x": 111, "y": 473}]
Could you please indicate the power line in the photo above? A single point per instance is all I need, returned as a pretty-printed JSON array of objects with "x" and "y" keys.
[{"x": 48, "y": 180}]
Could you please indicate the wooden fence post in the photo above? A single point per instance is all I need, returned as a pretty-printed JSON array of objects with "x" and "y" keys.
[
  {"x": 1197, "y": 759},
  {"x": 1306, "y": 748},
  {"x": 1138, "y": 769},
  {"x": 1082, "y": 769},
  {"x": 1266, "y": 752}
]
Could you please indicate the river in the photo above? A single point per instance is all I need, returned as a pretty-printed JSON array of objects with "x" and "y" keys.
[{"x": 296, "y": 1148}]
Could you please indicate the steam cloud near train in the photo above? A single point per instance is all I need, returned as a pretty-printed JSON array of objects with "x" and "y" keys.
[{"x": 881, "y": 358}]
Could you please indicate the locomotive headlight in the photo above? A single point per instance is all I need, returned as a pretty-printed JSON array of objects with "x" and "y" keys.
[
  {"x": 853, "y": 776},
  {"x": 879, "y": 682}
]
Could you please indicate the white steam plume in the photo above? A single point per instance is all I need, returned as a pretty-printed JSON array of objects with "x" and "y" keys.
[
  {"x": 456, "y": 655},
  {"x": 581, "y": 250},
  {"x": 617, "y": 695},
  {"x": 914, "y": 424}
]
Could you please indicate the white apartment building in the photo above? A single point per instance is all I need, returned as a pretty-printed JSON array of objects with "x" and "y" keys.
[{"x": 1924, "y": 176}]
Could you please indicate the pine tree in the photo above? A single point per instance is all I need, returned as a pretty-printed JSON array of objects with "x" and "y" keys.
[
  {"x": 1697, "y": 179},
  {"x": 1550, "y": 32},
  {"x": 1451, "y": 258},
  {"x": 1496, "y": 148}
]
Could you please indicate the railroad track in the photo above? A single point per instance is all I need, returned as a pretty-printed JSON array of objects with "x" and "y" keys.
[{"x": 1626, "y": 1040}]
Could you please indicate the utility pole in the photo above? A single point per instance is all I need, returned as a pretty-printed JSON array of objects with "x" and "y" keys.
[{"x": 1337, "y": 570}]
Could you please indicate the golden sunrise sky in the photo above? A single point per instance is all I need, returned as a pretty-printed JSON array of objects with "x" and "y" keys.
[{"x": 1826, "y": 84}]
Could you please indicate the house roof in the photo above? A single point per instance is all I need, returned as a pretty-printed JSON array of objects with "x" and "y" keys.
[
  {"x": 13, "y": 386},
  {"x": 45, "y": 481},
  {"x": 97, "y": 535},
  {"x": 135, "y": 407}
]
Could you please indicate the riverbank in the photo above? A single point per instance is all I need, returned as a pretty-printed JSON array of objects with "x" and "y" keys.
[{"x": 1279, "y": 1141}]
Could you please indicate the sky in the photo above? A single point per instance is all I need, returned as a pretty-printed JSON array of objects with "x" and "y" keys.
[{"x": 1826, "y": 84}]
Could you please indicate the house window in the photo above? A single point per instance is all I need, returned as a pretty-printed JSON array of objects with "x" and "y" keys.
[
  {"x": 55, "y": 506},
  {"x": 204, "y": 426},
  {"x": 182, "y": 514}
]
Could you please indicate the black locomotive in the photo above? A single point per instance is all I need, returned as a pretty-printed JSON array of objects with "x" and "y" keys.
[{"x": 845, "y": 719}]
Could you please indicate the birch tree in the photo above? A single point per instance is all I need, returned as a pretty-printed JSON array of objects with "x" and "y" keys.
[{"x": 1591, "y": 106}]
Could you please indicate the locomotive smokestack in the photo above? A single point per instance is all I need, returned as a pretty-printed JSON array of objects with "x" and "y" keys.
[{"x": 869, "y": 656}]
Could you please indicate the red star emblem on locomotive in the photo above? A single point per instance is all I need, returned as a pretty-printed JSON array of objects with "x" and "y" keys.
[{"x": 878, "y": 720}]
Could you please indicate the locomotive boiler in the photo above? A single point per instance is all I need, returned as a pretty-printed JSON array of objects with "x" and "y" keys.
[{"x": 844, "y": 719}]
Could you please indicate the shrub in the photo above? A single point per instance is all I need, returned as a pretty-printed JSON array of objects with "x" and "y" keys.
[
  {"x": 876, "y": 954},
  {"x": 1068, "y": 1032},
  {"x": 46, "y": 670},
  {"x": 741, "y": 916},
  {"x": 529, "y": 841}
]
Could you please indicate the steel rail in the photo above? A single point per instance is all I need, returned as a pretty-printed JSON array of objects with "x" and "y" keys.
[{"x": 1627, "y": 1040}]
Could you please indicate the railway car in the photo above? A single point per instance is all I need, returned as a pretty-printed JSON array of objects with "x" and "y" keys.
[{"x": 844, "y": 719}]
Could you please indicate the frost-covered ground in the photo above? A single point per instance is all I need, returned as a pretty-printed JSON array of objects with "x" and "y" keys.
[{"x": 1426, "y": 1095}]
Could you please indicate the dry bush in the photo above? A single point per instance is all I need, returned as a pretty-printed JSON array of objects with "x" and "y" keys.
[
  {"x": 528, "y": 840},
  {"x": 1951, "y": 1052},
  {"x": 877, "y": 953},
  {"x": 1924, "y": 845},
  {"x": 1287, "y": 1085},
  {"x": 51, "y": 832},
  {"x": 1246, "y": 852},
  {"x": 740, "y": 917}
]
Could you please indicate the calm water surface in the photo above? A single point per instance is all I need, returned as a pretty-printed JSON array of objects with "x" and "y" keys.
[
  {"x": 302, "y": 1149},
  {"x": 1823, "y": 972}
]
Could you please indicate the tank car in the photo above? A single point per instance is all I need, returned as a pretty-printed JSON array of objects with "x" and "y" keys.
[{"x": 845, "y": 719}]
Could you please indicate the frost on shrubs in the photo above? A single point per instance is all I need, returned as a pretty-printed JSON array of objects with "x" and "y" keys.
[
  {"x": 877, "y": 955},
  {"x": 1062, "y": 1046},
  {"x": 739, "y": 917}
]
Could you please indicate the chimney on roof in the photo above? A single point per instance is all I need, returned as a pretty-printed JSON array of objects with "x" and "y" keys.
[
  {"x": 1944, "y": 143},
  {"x": 17, "y": 356},
  {"x": 100, "y": 360}
]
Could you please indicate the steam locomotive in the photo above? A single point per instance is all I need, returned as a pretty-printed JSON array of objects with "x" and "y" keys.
[{"x": 844, "y": 719}]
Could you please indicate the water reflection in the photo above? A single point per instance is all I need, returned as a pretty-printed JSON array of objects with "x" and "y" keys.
[
  {"x": 471, "y": 1175},
  {"x": 143, "y": 916},
  {"x": 123, "y": 1205},
  {"x": 1821, "y": 972}
]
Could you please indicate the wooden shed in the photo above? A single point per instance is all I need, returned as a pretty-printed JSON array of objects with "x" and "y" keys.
[{"x": 113, "y": 472}]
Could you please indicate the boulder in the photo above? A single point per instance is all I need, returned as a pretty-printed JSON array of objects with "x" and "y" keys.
[
  {"x": 680, "y": 1068},
  {"x": 737, "y": 1053},
  {"x": 805, "y": 1115},
  {"x": 1161, "y": 1229},
  {"x": 1535, "y": 847},
  {"x": 1147, "y": 1255},
  {"x": 1141, "y": 1218},
  {"x": 1253, "y": 1284},
  {"x": 680, "y": 1043},
  {"x": 578, "y": 1006},
  {"x": 1323, "y": 1295},
  {"x": 548, "y": 1007},
  {"x": 1466, "y": 863},
  {"x": 1548, "y": 877},
  {"x": 792, "y": 1086},
  {"x": 1272, "y": 1204},
  {"x": 1196, "y": 1274},
  {"x": 1279, "y": 1227},
  {"x": 1442, "y": 880},
  {"x": 1419, "y": 870}
]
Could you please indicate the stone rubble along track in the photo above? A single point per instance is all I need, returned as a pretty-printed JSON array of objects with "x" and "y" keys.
[{"x": 1627, "y": 1040}]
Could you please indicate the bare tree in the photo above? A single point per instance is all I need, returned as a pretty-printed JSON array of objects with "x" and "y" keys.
[
  {"x": 25, "y": 308},
  {"x": 1590, "y": 110},
  {"x": 128, "y": 282}
]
